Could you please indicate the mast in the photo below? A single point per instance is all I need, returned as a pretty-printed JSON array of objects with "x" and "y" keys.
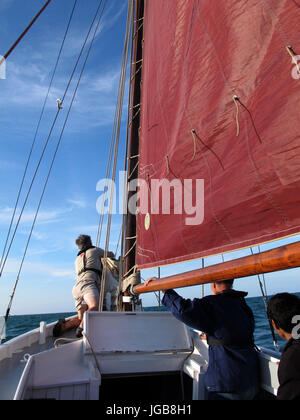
[
  {"x": 134, "y": 130},
  {"x": 282, "y": 258},
  {"x": 25, "y": 32}
]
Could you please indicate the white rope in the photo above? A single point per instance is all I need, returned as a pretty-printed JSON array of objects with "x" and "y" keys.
[{"x": 93, "y": 353}]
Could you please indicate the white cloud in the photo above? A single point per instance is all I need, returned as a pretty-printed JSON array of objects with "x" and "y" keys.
[
  {"x": 28, "y": 85},
  {"x": 95, "y": 100},
  {"x": 5, "y": 165},
  {"x": 4, "y": 4},
  {"x": 85, "y": 229},
  {"x": 81, "y": 204},
  {"x": 44, "y": 217},
  {"x": 105, "y": 83},
  {"x": 111, "y": 21},
  {"x": 42, "y": 270},
  {"x": 44, "y": 251},
  {"x": 36, "y": 235},
  {"x": 64, "y": 273}
]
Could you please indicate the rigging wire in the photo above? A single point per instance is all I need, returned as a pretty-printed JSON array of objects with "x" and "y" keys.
[
  {"x": 118, "y": 243},
  {"x": 25, "y": 32},
  {"x": 108, "y": 170},
  {"x": 55, "y": 153},
  {"x": 203, "y": 265},
  {"x": 36, "y": 133},
  {"x": 159, "y": 292},
  {"x": 117, "y": 126},
  {"x": 48, "y": 138},
  {"x": 265, "y": 299},
  {"x": 125, "y": 181},
  {"x": 264, "y": 277}
]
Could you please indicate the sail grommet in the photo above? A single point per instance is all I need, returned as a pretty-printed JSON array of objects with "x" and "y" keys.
[{"x": 147, "y": 221}]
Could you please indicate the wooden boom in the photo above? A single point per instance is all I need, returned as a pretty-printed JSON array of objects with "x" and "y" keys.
[{"x": 277, "y": 259}]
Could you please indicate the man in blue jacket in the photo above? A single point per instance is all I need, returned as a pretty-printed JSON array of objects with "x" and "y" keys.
[{"x": 228, "y": 323}]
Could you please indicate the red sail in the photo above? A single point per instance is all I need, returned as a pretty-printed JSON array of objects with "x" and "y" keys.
[{"x": 220, "y": 102}]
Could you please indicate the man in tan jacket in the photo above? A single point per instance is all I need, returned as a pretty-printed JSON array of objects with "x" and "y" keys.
[{"x": 89, "y": 273}]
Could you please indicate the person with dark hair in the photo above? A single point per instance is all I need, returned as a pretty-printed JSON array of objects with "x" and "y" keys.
[
  {"x": 89, "y": 272},
  {"x": 228, "y": 325},
  {"x": 284, "y": 313}
]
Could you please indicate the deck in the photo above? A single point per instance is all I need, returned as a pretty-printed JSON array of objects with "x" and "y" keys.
[{"x": 120, "y": 349}]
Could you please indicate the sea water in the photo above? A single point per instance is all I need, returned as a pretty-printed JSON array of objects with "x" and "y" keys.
[{"x": 18, "y": 325}]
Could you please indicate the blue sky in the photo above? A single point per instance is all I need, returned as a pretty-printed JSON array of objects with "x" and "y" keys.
[{"x": 69, "y": 205}]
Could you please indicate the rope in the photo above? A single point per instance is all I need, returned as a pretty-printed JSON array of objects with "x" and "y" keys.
[
  {"x": 136, "y": 114},
  {"x": 133, "y": 170},
  {"x": 265, "y": 299},
  {"x": 108, "y": 171},
  {"x": 101, "y": 218},
  {"x": 36, "y": 132},
  {"x": 118, "y": 116},
  {"x": 135, "y": 106},
  {"x": 137, "y": 31},
  {"x": 119, "y": 240},
  {"x": 196, "y": 136},
  {"x": 203, "y": 290},
  {"x": 137, "y": 62},
  {"x": 195, "y": 144},
  {"x": 130, "y": 250},
  {"x": 133, "y": 77},
  {"x": 133, "y": 157},
  {"x": 66, "y": 340},
  {"x": 168, "y": 165},
  {"x": 125, "y": 183},
  {"x": 92, "y": 350},
  {"x": 235, "y": 100},
  {"x": 25, "y": 32},
  {"x": 263, "y": 276},
  {"x": 129, "y": 271},
  {"x": 55, "y": 344},
  {"x": 159, "y": 294},
  {"x": 252, "y": 120}
]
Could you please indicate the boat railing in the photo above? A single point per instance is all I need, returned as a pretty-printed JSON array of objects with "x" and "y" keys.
[{"x": 25, "y": 380}]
